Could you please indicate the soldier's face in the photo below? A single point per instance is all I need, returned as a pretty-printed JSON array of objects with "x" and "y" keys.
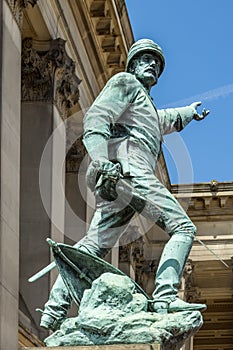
[{"x": 147, "y": 68}]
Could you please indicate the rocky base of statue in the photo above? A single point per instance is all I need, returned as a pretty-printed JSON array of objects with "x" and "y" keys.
[{"x": 112, "y": 313}]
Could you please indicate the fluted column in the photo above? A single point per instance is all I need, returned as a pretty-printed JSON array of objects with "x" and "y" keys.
[{"x": 10, "y": 91}]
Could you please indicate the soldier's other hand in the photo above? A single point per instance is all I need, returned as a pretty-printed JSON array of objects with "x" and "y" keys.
[
  {"x": 198, "y": 116},
  {"x": 107, "y": 189},
  {"x": 106, "y": 184},
  {"x": 100, "y": 171}
]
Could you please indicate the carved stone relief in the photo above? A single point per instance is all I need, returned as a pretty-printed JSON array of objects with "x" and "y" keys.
[{"x": 48, "y": 74}]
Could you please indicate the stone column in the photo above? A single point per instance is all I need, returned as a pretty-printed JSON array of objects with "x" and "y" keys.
[
  {"x": 49, "y": 92},
  {"x": 10, "y": 58},
  {"x": 76, "y": 189}
]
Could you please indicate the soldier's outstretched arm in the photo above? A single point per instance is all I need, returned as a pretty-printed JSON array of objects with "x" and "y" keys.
[{"x": 176, "y": 119}]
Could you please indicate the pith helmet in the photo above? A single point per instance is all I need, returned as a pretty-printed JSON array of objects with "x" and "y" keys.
[{"x": 145, "y": 45}]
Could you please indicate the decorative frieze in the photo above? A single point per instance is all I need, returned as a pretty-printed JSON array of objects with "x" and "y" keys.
[
  {"x": 48, "y": 74},
  {"x": 105, "y": 17},
  {"x": 17, "y": 7},
  {"x": 210, "y": 199}
]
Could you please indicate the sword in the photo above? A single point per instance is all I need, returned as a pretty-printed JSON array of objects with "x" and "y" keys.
[
  {"x": 138, "y": 195},
  {"x": 42, "y": 272},
  {"x": 45, "y": 270}
]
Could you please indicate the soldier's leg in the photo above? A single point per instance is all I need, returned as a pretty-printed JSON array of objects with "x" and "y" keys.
[
  {"x": 171, "y": 217},
  {"x": 58, "y": 304},
  {"x": 109, "y": 222}
]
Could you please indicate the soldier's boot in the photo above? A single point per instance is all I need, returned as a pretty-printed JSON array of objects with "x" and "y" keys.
[
  {"x": 56, "y": 308},
  {"x": 168, "y": 277}
]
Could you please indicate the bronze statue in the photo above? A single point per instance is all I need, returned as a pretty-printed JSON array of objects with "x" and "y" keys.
[{"x": 123, "y": 132}]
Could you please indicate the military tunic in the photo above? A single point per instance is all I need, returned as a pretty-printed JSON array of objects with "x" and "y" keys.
[{"x": 129, "y": 130}]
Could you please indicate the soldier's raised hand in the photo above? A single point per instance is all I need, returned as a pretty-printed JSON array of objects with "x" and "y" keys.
[{"x": 198, "y": 116}]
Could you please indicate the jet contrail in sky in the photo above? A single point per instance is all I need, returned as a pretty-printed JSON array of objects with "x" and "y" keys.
[{"x": 222, "y": 91}]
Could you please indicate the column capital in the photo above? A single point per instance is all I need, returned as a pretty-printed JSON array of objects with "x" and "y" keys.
[
  {"x": 48, "y": 74},
  {"x": 17, "y": 7}
]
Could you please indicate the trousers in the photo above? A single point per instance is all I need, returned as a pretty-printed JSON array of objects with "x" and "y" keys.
[{"x": 110, "y": 220}]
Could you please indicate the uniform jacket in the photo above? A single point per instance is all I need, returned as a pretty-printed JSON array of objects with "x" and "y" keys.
[{"x": 124, "y": 112}]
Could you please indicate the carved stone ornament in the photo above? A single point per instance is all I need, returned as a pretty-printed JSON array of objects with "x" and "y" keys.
[
  {"x": 17, "y": 7},
  {"x": 48, "y": 74}
]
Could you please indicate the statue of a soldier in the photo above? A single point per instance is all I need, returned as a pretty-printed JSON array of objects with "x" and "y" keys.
[{"x": 122, "y": 134}]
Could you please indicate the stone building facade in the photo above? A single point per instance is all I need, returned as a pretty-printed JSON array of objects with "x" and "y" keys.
[{"x": 55, "y": 57}]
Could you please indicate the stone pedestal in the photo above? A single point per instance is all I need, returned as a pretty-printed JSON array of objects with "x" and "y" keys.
[
  {"x": 113, "y": 312},
  {"x": 105, "y": 347}
]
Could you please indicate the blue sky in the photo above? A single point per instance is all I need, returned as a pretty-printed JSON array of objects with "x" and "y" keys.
[{"x": 197, "y": 40}]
